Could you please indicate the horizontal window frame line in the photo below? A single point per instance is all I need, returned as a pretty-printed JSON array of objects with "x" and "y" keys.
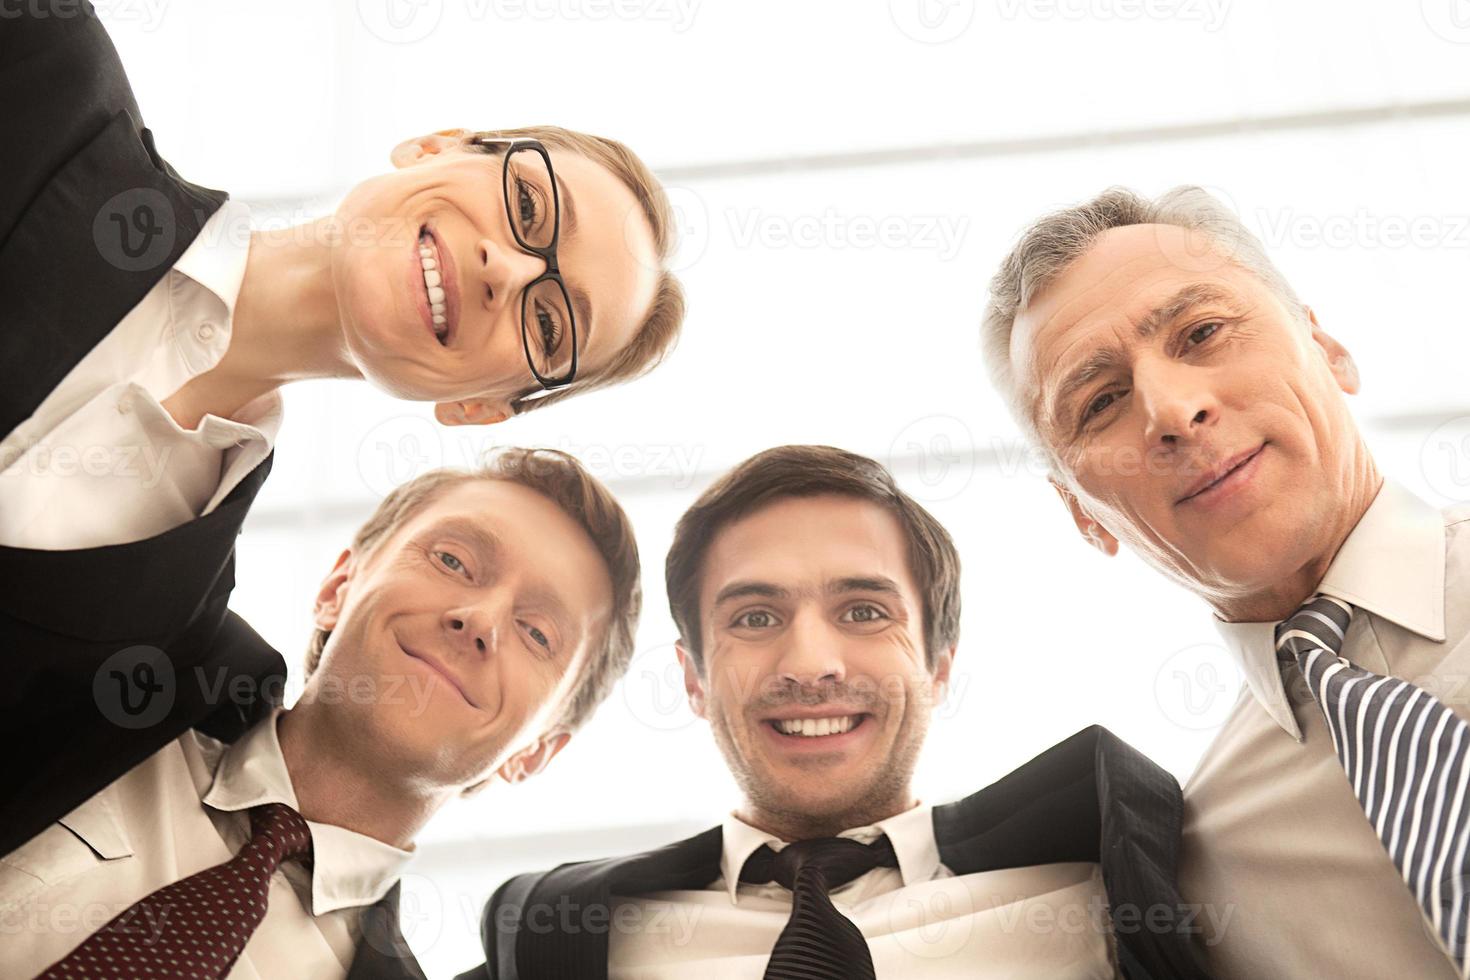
[{"x": 1304, "y": 121}]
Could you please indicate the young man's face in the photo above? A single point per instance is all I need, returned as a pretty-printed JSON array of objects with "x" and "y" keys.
[
  {"x": 466, "y": 628},
  {"x": 451, "y": 201},
  {"x": 815, "y": 681}
]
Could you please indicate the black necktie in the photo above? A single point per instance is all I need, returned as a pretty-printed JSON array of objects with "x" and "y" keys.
[{"x": 819, "y": 942}]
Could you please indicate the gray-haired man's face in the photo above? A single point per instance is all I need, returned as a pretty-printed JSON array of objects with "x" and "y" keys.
[{"x": 1195, "y": 418}]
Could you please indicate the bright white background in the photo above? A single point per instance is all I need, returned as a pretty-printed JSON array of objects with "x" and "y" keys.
[{"x": 847, "y": 175}]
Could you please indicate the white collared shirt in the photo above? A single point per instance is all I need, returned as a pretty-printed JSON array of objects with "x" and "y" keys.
[
  {"x": 101, "y": 461},
  {"x": 184, "y": 809},
  {"x": 1273, "y": 834},
  {"x": 921, "y": 921}
]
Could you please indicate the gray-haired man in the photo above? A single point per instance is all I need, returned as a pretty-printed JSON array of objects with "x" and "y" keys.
[{"x": 1191, "y": 407}]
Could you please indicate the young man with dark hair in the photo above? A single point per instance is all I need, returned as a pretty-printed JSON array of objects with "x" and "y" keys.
[
  {"x": 472, "y": 626},
  {"x": 818, "y": 611}
]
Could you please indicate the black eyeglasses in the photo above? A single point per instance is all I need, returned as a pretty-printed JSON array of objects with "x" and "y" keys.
[{"x": 533, "y": 208}]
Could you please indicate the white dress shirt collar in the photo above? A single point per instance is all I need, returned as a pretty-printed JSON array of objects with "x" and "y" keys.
[
  {"x": 348, "y": 869},
  {"x": 911, "y": 833},
  {"x": 216, "y": 258},
  {"x": 1392, "y": 565}
]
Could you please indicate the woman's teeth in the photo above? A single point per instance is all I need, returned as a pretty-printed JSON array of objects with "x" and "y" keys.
[
  {"x": 433, "y": 285},
  {"x": 813, "y": 727}
]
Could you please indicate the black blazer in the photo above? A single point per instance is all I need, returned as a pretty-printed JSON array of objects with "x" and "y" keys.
[
  {"x": 108, "y": 653},
  {"x": 1090, "y": 798}
]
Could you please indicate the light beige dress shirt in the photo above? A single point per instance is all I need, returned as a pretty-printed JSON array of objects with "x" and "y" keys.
[
  {"x": 101, "y": 461},
  {"x": 1273, "y": 836},
  {"x": 921, "y": 921},
  {"x": 182, "y": 810}
]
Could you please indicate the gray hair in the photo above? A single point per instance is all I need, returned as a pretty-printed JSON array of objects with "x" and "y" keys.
[{"x": 1052, "y": 243}]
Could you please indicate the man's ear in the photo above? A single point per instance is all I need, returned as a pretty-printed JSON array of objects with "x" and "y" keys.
[
  {"x": 533, "y": 758},
  {"x": 1096, "y": 535},
  {"x": 475, "y": 411},
  {"x": 333, "y": 593},
  {"x": 693, "y": 683},
  {"x": 943, "y": 663},
  {"x": 1344, "y": 369},
  {"x": 421, "y": 148}
]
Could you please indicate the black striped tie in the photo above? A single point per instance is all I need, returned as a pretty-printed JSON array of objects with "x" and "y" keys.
[
  {"x": 819, "y": 942},
  {"x": 1408, "y": 758}
]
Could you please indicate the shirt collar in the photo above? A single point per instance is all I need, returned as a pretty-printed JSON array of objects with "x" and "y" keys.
[
  {"x": 216, "y": 257},
  {"x": 1392, "y": 565},
  {"x": 911, "y": 833},
  {"x": 348, "y": 869}
]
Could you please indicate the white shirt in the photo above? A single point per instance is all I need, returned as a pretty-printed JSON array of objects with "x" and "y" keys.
[
  {"x": 1274, "y": 838},
  {"x": 182, "y": 810},
  {"x": 921, "y": 921},
  {"x": 100, "y": 461}
]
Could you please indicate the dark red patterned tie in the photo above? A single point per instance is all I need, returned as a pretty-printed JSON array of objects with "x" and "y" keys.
[
  {"x": 195, "y": 928},
  {"x": 819, "y": 942}
]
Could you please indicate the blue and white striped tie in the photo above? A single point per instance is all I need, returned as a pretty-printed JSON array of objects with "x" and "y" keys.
[{"x": 1408, "y": 758}]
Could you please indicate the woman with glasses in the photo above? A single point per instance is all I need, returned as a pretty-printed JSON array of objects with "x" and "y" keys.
[{"x": 147, "y": 332}]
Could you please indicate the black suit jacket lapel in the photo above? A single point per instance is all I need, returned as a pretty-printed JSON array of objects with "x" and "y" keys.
[
  {"x": 523, "y": 926},
  {"x": 382, "y": 953},
  {"x": 1090, "y": 798},
  {"x": 90, "y": 217}
]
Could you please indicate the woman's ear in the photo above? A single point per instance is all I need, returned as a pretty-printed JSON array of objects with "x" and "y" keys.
[
  {"x": 421, "y": 148},
  {"x": 475, "y": 411}
]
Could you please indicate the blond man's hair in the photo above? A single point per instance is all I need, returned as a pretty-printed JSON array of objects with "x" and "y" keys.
[
  {"x": 559, "y": 477},
  {"x": 659, "y": 330}
]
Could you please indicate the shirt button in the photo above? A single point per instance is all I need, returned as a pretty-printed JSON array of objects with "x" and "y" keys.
[{"x": 206, "y": 331}]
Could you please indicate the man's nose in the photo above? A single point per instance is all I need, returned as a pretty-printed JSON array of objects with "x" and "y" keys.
[
  {"x": 812, "y": 652},
  {"x": 1178, "y": 402}
]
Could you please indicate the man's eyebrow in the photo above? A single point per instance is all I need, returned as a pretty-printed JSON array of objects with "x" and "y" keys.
[
  {"x": 863, "y": 583},
  {"x": 1195, "y": 294},
  {"x": 478, "y": 536},
  {"x": 581, "y": 305},
  {"x": 1100, "y": 360},
  {"x": 744, "y": 590}
]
